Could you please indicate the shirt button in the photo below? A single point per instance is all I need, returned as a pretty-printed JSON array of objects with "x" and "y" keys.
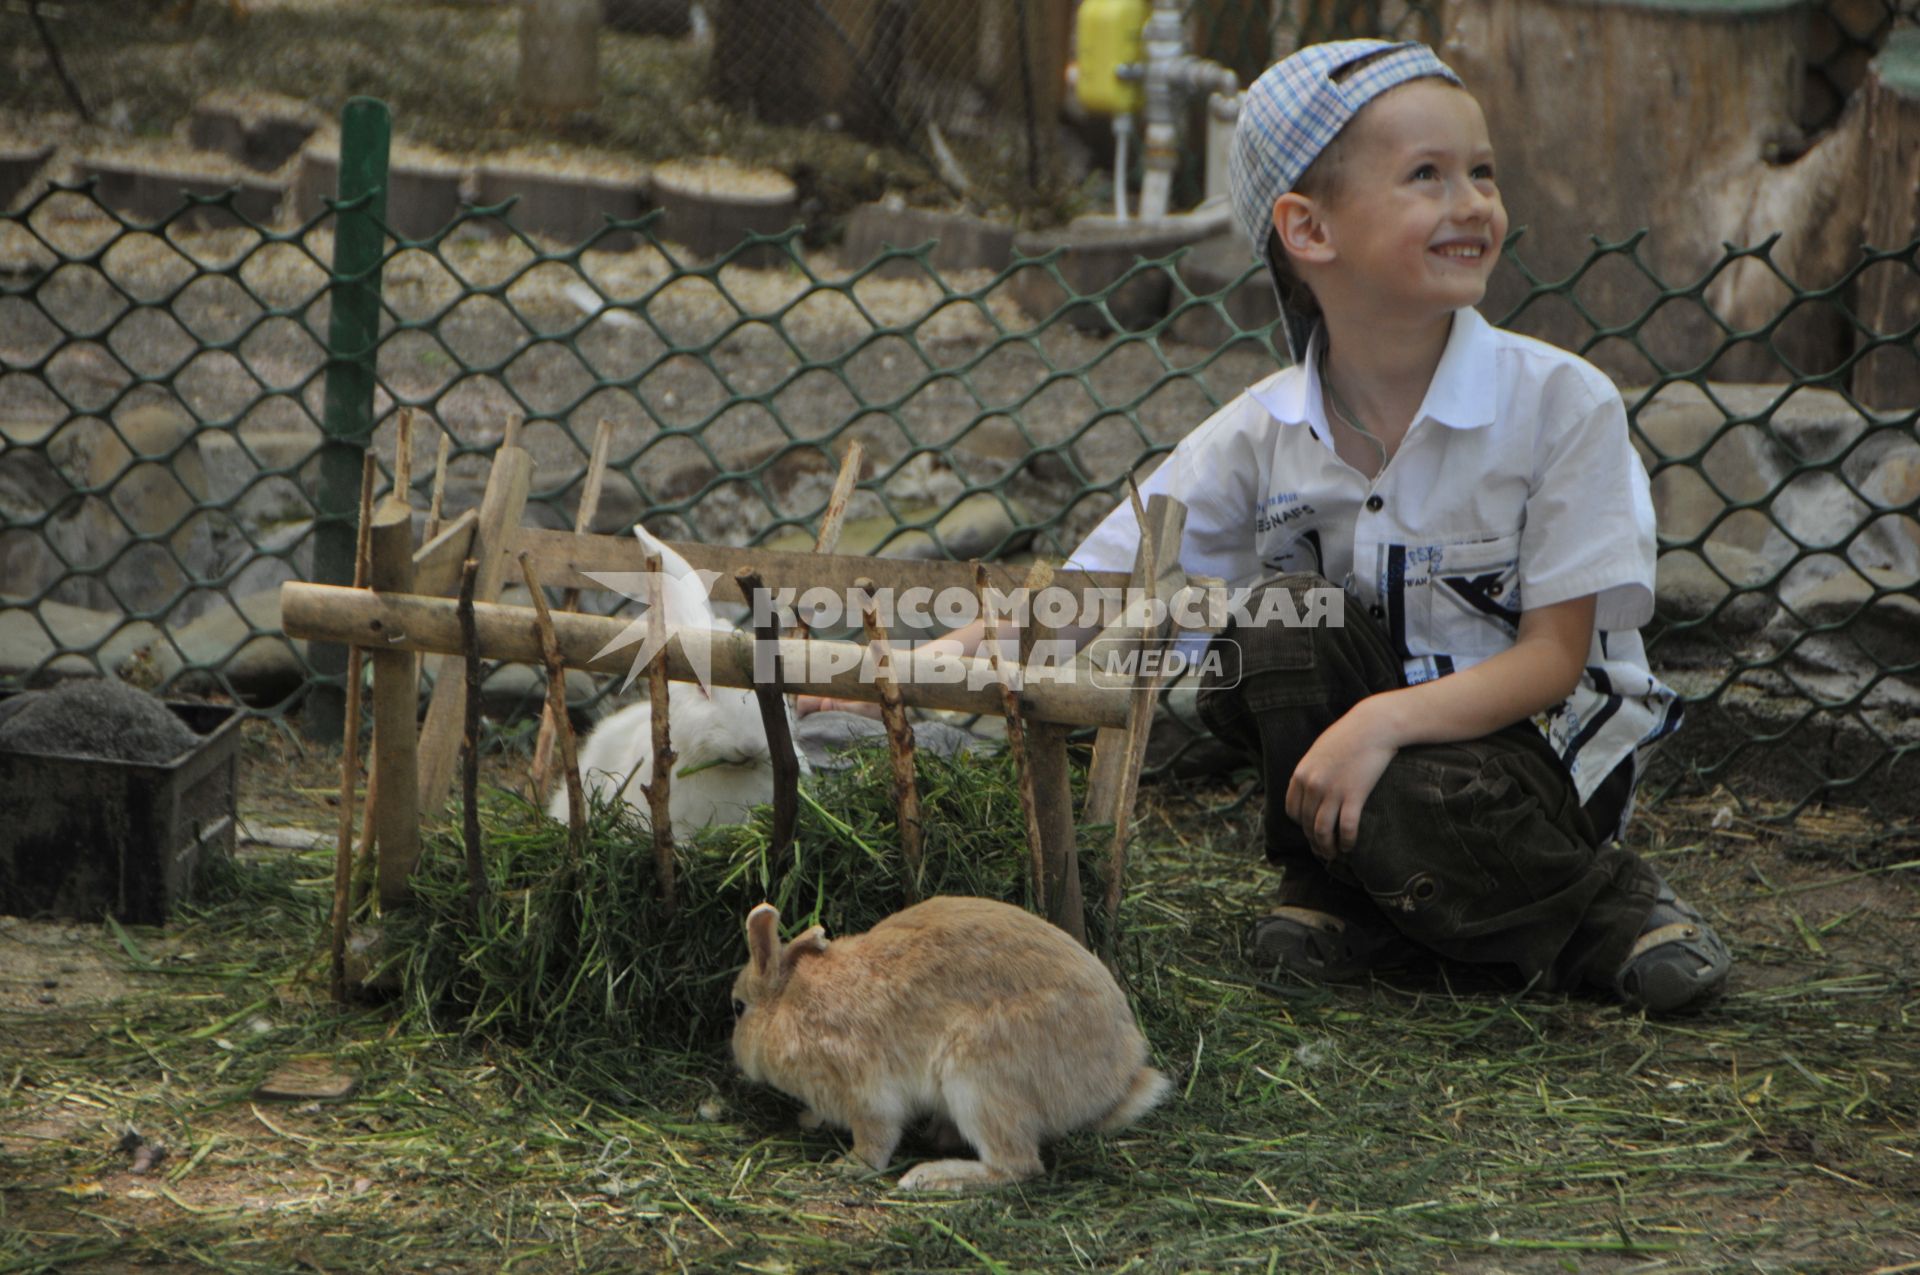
[{"x": 1374, "y": 504}]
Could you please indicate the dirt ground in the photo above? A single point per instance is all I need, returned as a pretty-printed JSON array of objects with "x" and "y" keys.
[{"x": 1800, "y": 1087}]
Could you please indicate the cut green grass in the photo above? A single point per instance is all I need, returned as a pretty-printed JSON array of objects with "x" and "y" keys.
[{"x": 553, "y": 1091}]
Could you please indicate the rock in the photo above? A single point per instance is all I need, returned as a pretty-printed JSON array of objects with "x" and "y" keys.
[
  {"x": 961, "y": 241},
  {"x": 826, "y": 736},
  {"x": 1743, "y": 445},
  {"x": 1877, "y": 613},
  {"x": 243, "y": 643},
  {"x": 985, "y": 525},
  {"x": 1689, "y": 589},
  {"x": 150, "y": 462},
  {"x": 1096, "y": 254},
  {"x": 31, "y": 638}
]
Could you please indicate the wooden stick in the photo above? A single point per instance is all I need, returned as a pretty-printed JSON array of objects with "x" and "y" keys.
[
  {"x": 813, "y": 666},
  {"x": 1016, "y": 744},
  {"x": 470, "y": 764},
  {"x": 906, "y": 792},
  {"x": 1139, "y": 722},
  {"x": 1052, "y": 783},
  {"x": 396, "y": 709},
  {"x": 403, "y": 456},
  {"x": 1162, "y": 525},
  {"x": 773, "y": 714},
  {"x": 556, "y": 694},
  {"x": 659, "y": 789},
  {"x": 439, "y": 485},
  {"x": 510, "y": 437},
  {"x": 835, "y": 518},
  {"x": 590, "y": 487},
  {"x": 350, "y": 746}
]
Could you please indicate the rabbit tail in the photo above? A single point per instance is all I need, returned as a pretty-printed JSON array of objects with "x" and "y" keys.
[{"x": 1148, "y": 1088}]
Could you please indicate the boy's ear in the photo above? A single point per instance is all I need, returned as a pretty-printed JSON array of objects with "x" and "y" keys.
[{"x": 1303, "y": 234}]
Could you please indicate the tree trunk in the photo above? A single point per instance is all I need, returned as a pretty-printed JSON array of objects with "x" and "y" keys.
[
  {"x": 799, "y": 61},
  {"x": 1889, "y": 291},
  {"x": 1610, "y": 117}
]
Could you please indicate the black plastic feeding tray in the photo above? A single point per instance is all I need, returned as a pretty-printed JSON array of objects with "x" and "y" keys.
[{"x": 86, "y": 837}]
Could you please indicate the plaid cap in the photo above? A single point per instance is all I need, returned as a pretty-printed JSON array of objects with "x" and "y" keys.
[{"x": 1291, "y": 114}]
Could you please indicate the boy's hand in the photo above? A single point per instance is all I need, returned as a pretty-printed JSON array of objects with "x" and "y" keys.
[{"x": 1331, "y": 784}]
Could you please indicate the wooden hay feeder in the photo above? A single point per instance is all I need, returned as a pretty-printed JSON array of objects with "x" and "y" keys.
[{"x": 407, "y": 610}]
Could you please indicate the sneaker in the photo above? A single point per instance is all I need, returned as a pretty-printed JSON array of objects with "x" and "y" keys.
[
  {"x": 1677, "y": 963},
  {"x": 1326, "y": 948}
]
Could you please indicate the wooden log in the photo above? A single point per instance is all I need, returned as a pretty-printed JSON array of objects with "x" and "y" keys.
[
  {"x": 814, "y": 666},
  {"x": 893, "y": 714},
  {"x": 552, "y": 710},
  {"x": 1017, "y": 746},
  {"x": 350, "y": 749},
  {"x": 556, "y": 694},
  {"x": 1888, "y": 376},
  {"x": 500, "y": 509},
  {"x": 396, "y": 697},
  {"x": 659, "y": 785},
  {"x": 769, "y": 693}
]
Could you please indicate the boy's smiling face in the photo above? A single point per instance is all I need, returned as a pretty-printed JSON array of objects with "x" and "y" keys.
[{"x": 1414, "y": 218}]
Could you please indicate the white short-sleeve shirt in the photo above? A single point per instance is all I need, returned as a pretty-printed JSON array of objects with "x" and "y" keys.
[{"x": 1516, "y": 486}]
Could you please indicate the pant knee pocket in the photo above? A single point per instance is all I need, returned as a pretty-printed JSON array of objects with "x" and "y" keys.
[{"x": 1417, "y": 850}]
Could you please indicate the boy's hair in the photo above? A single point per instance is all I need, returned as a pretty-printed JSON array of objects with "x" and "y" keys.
[{"x": 1290, "y": 121}]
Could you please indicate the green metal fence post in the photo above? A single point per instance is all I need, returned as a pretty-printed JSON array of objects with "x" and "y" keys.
[{"x": 353, "y": 334}]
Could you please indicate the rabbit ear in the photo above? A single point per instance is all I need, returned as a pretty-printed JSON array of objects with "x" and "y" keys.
[
  {"x": 812, "y": 942},
  {"x": 763, "y": 938}
]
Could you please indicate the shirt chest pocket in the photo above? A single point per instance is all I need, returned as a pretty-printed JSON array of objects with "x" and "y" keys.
[{"x": 1470, "y": 602}]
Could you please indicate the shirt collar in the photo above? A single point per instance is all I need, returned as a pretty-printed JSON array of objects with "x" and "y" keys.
[{"x": 1461, "y": 394}]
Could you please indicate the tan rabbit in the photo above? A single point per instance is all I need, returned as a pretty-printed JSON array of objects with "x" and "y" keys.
[{"x": 975, "y": 1014}]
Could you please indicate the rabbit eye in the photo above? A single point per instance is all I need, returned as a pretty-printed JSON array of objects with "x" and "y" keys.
[{"x": 739, "y": 1007}]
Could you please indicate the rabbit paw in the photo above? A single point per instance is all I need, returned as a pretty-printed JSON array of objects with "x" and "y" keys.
[
  {"x": 952, "y": 1175},
  {"x": 810, "y": 1119}
]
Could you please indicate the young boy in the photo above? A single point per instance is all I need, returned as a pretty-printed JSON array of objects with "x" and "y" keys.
[{"x": 1447, "y": 769}]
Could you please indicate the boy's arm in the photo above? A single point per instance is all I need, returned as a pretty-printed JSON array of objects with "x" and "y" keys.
[{"x": 1542, "y": 667}]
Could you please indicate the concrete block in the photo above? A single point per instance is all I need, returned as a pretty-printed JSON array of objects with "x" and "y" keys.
[
  {"x": 1097, "y": 253},
  {"x": 149, "y": 191},
  {"x": 570, "y": 207},
  {"x": 710, "y": 205},
  {"x": 961, "y": 241}
]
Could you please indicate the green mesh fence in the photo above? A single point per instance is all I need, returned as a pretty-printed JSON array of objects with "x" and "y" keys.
[{"x": 165, "y": 387}]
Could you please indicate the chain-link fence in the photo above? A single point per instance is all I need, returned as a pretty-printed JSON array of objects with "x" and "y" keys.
[{"x": 165, "y": 402}]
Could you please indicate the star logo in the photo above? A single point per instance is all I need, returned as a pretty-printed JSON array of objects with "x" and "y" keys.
[{"x": 686, "y": 621}]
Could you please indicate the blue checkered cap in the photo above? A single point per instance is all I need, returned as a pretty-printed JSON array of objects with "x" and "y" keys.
[{"x": 1296, "y": 108}]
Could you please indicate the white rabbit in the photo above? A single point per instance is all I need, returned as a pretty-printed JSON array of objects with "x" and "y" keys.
[
  {"x": 723, "y": 768},
  {"x": 982, "y": 1017}
]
